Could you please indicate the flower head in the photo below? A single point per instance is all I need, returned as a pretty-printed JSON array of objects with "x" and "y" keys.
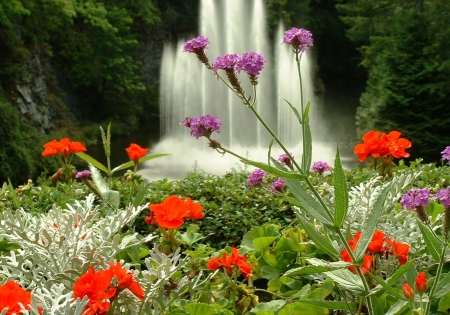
[
  {"x": 446, "y": 154},
  {"x": 251, "y": 63},
  {"x": 196, "y": 44},
  {"x": 126, "y": 280},
  {"x": 64, "y": 146},
  {"x": 135, "y": 152},
  {"x": 226, "y": 62},
  {"x": 173, "y": 211},
  {"x": 416, "y": 197},
  {"x": 83, "y": 174},
  {"x": 299, "y": 38},
  {"x": 444, "y": 196},
  {"x": 255, "y": 178},
  {"x": 285, "y": 159},
  {"x": 202, "y": 126},
  {"x": 408, "y": 292},
  {"x": 378, "y": 144},
  {"x": 11, "y": 294},
  {"x": 376, "y": 244},
  {"x": 227, "y": 262},
  {"x": 400, "y": 250},
  {"x": 421, "y": 283},
  {"x": 320, "y": 167},
  {"x": 96, "y": 285},
  {"x": 278, "y": 186}
]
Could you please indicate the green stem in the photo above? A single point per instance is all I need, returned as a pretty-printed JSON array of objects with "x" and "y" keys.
[
  {"x": 436, "y": 280},
  {"x": 298, "y": 57}
]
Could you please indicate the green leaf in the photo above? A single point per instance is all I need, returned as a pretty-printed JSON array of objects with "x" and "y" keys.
[
  {"x": 389, "y": 288},
  {"x": 291, "y": 240},
  {"x": 444, "y": 303},
  {"x": 137, "y": 200},
  {"x": 98, "y": 179},
  {"x": 371, "y": 224},
  {"x": 317, "y": 266},
  {"x": 433, "y": 244},
  {"x": 141, "y": 160},
  {"x": 296, "y": 113},
  {"x": 89, "y": 159},
  {"x": 271, "y": 307},
  {"x": 189, "y": 238},
  {"x": 322, "y": 242},
  {"x": 200, "y": 309},
  {"x": 274, "y": 170},
  {"x": 300, "y": 308},
  {"x": 348, "y": 280},
  {"x": 308, "y": 203},
  {"x": 334, "y": 305},
  {"x": 270, "y": 273},
  {"x": 398, "y": 308},
  {"x": 6, "y": 246},
  {"x": 266, "y": 230},
  {"x": 307, "y": 142},
  {"x": 443, "y": 286},
  {"x": 340, "y": 192}
]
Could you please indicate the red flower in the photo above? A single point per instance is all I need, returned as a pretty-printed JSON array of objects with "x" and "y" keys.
[
  {"x": 64, "y": 146},
  {"x": 408, "y": 292},
  {"x": 97, "y": 287},
  {"x": 376, "y": 245},
  {"x": 135, "y": 152},
  {"x": 421, "y": 283},
  {"x": 227, "y": 262},
  {"x": 367, "y": 259},
  {"x": 378, "y": 144},
  {"x": 400, "y": 250},
  {"x": 126, "y": 280},
  {"x": 11, "y": 294},
  {"x": 173, "y": 211}
]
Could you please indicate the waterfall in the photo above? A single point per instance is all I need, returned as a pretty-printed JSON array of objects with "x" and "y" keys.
[{"x": 188, "y": 89}]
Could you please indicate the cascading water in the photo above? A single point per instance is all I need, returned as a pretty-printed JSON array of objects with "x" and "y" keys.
[{"x": 188, "y": 89}]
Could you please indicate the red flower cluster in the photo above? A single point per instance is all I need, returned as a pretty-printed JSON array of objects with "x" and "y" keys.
[
  {"x": 376, "y": 247},
  {"x": 11, "y": 294},
  {"x": 135, "y": 152},
  {"x": 173, "y": 211},
  {"x": 100, "y": 288},
  {"x": 64, "y": 146},
  {"x": 381, "y": 144},
  {"x": 227, "y": 262}
]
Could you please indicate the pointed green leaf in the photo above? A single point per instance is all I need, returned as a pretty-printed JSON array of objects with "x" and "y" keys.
[
  {"x": 308, "y": 203},
  {"x": 340, "y": 193},
  {"x": 189, "y": 238},
  {"x": 274, "y": 170},
  {"x": 307, "y": 270},
  {"x": 348, "y": 280},
  {"x": 137, "y": 200},
  {"x": 141, "y": 160},
  {"x": 434, "y": 245},
  {"x": 296, "y": 113},
  {"x": 200, "y": 309},
  {"x": 389, "y": 288},
  {"x": 322, "y": 242},
  {"x": 98, "y": 179},
  {"x": 333, "y": 305},
  {"x": 398, "y": 308},
  {"x": 266, "y": 230},
  {"x": 89, "y": 159},
  {"x": 371, "y": 224},
  {"x": 307, "y": 142}
]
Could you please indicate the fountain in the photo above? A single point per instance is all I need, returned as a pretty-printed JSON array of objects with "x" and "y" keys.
[{"x": 187, "y": 88}]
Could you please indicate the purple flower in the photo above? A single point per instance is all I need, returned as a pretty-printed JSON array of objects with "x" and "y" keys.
[
  {"x": 320, "y": 167},
  {"x": 444, "y": 196},
  {"x": 278, "y": 186},
  {"x": 446, "y": 154},
  {"x": 225, "y": 62},
  {"x": 202, "y": 126},
  {"x": 83, "y": 174},
  {"x": 299, "y": 38},
  {"x": 251, "y": 62},
  {"x": 255, "y": 178},
  {"x": 196, "y": 44},
  {"x": 416, "y": 197}
]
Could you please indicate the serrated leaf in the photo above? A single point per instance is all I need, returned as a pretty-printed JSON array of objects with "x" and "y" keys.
[
  {"x": 307, "y": 142},
  {"x": 371, "y": 224},
  {"x": 274, "y": 170},
  {"x": 434, "y": 245},
  {"x": 98, "y": 179},
  {"x": 90, "y": 160},
  {"x": 323, "y": 243},
  {"x": 309, "y": 203},
  {"x": 340, "y": 193}
]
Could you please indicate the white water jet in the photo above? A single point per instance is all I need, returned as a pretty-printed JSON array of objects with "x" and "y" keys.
[{"x": 188, "y": 89}]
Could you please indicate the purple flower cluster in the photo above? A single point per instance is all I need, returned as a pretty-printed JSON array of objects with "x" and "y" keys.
[
  {"x": 285, "y": 159},
  {"x": 225, "y": 62},
  {"x": 255, "y": 178},
  {"x": 83, "y": 174},
  {"x": 320, "y": 167},
  {"x": 202, "y": 126},
  {"x": 446, "y": 154},
  {"x": 416, "y": 197},
  {"x": 196, "y": 44},
  {"x": 299, "y": 38},
  {"x": 444, "y": 196},
  {"x": 251, "y": 63},
  {"x": 278, "y": 186}
]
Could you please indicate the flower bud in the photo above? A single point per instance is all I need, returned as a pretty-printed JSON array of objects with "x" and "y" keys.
[
  {"x": 408, "y": 292},
  {"x": 421, "y": 283}
]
